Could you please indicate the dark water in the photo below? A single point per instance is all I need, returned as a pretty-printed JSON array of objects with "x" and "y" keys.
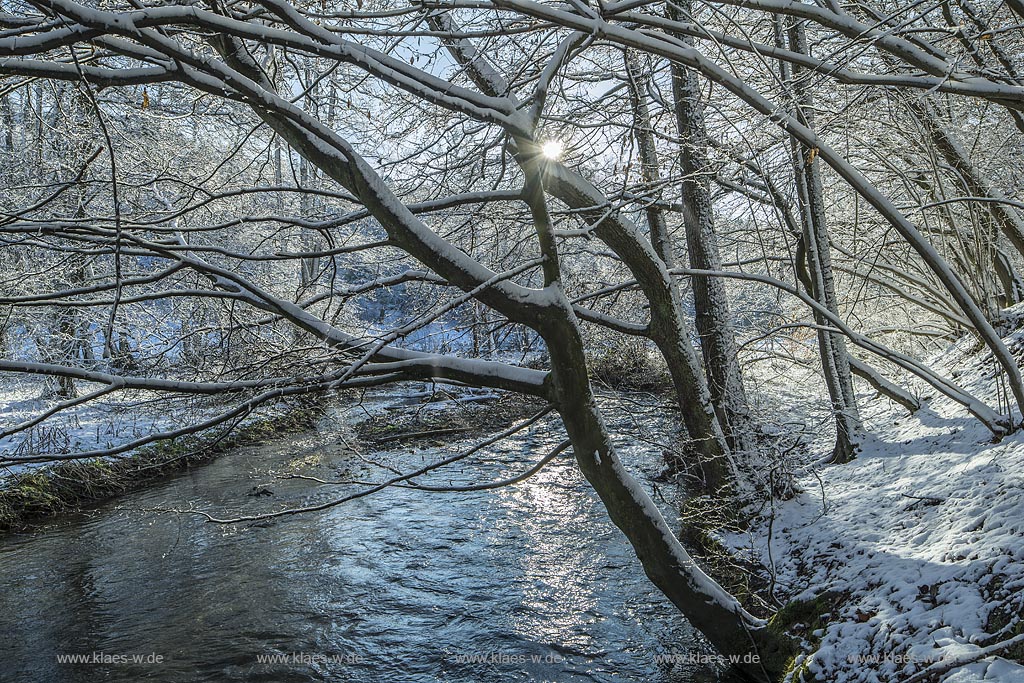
[{"x": 400, "y": 586}]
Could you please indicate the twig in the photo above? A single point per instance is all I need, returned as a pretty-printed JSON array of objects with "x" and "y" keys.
[
  {"x": 379, "y": 487},
  {"x": 945, "y": 665}
]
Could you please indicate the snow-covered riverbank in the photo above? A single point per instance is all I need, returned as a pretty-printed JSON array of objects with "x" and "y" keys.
[
  {"x": 105, "y": 423},
  {"x": 918, "y": 545}
]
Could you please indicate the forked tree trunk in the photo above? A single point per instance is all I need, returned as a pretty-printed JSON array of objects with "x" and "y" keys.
[
  {"x": 711, "y": 609},
  {"x": 708, "y": 607},
  {"x": 668, "y": 328},
  {"x": 705, "y": 604}
]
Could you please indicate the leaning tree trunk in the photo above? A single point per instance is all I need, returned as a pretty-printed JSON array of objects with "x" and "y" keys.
[
  {"x": 713, "y": 319},
  {"x": 814, "y": 252},
  {"x": 668, "y": 327},
  {"x": 705, "y": 604},
  {"x": 708, "y": 607}
]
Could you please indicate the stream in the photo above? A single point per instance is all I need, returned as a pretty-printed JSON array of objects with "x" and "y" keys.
[{"x": 529, "y": 582}]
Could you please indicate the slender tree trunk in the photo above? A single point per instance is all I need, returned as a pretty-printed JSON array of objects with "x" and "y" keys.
[
  {"x": 651, "y": 169},
  {"x": 885, "y": 387},
  {"x": 307, "y": 178},
  {"x": 309, "y": 267},
  {"x": 1009, "y": 279},
  {"x": 714, "y": 321},
  {"x": 814, "y": 252},
  {"x": 650, "y": 166},
  {"x": 38, "y": 141},
  {"x": 8, "y": 124},
  {"x": 668, "y": 328},
  {"x": 1005, "y": 216}
]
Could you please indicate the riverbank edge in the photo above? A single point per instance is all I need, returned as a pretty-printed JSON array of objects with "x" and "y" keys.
[
  {"x": 702, "y": 523},
  {"x": 34, "y": 497}
]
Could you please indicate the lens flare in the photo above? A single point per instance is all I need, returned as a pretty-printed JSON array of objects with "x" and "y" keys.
[{"x": 552, "y": 149}]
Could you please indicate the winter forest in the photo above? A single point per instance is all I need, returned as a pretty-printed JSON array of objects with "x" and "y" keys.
[{"x": 512, "y": 340}]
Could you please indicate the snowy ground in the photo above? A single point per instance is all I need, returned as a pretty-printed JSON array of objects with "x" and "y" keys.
[{"x": 922, "y": 536}]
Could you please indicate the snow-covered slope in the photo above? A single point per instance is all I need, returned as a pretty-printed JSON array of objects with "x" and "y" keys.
[{"x": 921, "y": 538}]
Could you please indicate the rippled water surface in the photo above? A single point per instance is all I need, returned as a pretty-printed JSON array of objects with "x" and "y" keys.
[{"x": 400, "y": 586}]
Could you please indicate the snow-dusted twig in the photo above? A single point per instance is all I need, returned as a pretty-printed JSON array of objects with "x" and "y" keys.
[{"x": 947, "y": 665}]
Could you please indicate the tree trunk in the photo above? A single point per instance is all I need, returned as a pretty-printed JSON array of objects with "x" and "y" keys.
[
  {"x": 651, "y": 168},
  {"x": 1005, "y": 216},
  {"x": 814, "y": 247},
  {"x": 714, "y": 321},
  {"x": 643, "y": 131},
  {"x": 708, "y": 607},
  {"x": 705, "y": 604},
  {"x": 8, "y": 123},
  {"x": 309, "y": 267}
]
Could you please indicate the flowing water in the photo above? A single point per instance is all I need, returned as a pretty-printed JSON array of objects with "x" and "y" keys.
[{"x": 404, "y": 585}]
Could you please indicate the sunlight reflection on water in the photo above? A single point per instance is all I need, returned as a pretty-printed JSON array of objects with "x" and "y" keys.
[{"x": 409, "y": 582}]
